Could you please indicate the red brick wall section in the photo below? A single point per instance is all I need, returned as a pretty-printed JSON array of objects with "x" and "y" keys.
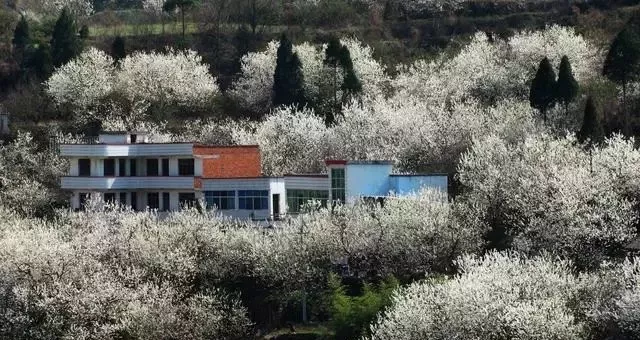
[{"x": 229, "y": 161}]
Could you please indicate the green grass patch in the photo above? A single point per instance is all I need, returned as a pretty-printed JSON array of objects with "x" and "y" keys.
[{"x": 127, "y": 30}]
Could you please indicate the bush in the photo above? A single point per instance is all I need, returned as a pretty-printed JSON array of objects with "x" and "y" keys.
[{"x": 351, "y": 315}]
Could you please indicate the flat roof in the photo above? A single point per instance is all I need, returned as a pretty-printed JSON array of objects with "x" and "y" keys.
[
  {"x": 122, "y": 132},
  {"x": 307, "y": 175},
  {"x": 356, "y": 162},
  {"x": 418, "y": 175}
]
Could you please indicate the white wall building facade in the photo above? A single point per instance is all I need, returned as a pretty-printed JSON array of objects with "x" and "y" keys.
[{"x": 124, "y": 168}]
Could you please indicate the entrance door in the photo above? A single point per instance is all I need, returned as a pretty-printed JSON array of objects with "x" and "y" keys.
[{"x": 276, "y": 206}]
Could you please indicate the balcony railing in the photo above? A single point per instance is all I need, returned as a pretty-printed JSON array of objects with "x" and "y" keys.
[{"x": 128, "y": 183}]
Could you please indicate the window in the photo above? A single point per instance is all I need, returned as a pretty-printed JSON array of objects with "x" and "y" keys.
[
  {"x": 84, "y": 167},
  {"x": 296, "y": 199},
  {"x": 109, "y": 166},
  {"x": 222, "y": 200},
  {"x": 83, "y": 197},
  {"x": 153, "y": 200},
  {"x": 133, "y": 170},
  {"x": 165, "y": 167},
  {"x": 253, "y": 199},
  {"x": 166, "y": 201},
  {"x": 187, "y": 199},
  {"x": 122, "y": 167},
  {"x": 134, "y": 138},
  {"x": 110, "y": 197},
  {"x": 123, "y": 198},
  {"x": 134, "y": 200},
  {"x": 337, "y": 185},
  {"x": 152, "y": 167},
  {"x": 185, "y": 167}
]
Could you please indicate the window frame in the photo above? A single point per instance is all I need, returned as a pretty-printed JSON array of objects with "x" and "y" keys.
[
  {"x": 191, "y": 202},
  {"x": 253, "y": 199},
  {"x": 221, "y": 199},
  {"x": 338, "y": 185},
  {"x": 81, "y": 167},
  {"x": 166, "y": 201},
  {"x": 297, "y": 198},
  {"x": 150, "y": 165},
  {"x": 186, "y": 170},
  {"x": 109, "y": 164},
  {"x": 165, "y": 167},
  {"x": 155, "y": 200},
  {"x": 122, "y": 167}
]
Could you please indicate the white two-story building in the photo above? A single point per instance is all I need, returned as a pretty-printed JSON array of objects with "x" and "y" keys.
[{"x": 124, "y": 167}]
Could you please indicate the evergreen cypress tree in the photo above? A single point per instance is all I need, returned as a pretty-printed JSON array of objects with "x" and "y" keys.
[
  {"x": 21, "y": 35},
  {"x": 65, "y": 42},
  {"x": 622, "y": 64},
  {"x": 21, "y": 41},
  {"x": 567, "y": 86},
  {"x": 118, "y": 50},
  {"x": 351, "y": 85},
  {"x": 40, "y": 61},
  {"x": 591, "y": 131},
  {"x": 288, "y": 80},
  {"x": 332, "y": 56},
  {"x": 541, "y": 95}
]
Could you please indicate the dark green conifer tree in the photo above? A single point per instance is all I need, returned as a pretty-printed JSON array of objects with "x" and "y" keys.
[
  {"x": 21, "y": 35},
  {"x": 591, "y": 131},
  {"x": 566, "y": 86},
  {"x": 541, "y": 95},
  {"x": 622, "y": 65},
  {"x": 351, "y": 85},
  {"x": 118, "y": 50},
  {"x": 21, "y": 41},
  {"x": 332, "y": 59},
  {"x": 65, "y": 40},
  {"x": 288, "y": 80}
]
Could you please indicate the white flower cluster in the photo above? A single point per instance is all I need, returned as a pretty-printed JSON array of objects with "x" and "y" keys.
[
  {"x": 507, "y": 296},
  {"x": 498, "y": 296},
  {"x": 28, "y": 176},
  {"x": 553, "y": 195},
  {"x": 54, "y": 7},
  {"x": 253, "y": 89},
  {"x": 494, "y": 70},
  {"x": 139, "y": 80}
]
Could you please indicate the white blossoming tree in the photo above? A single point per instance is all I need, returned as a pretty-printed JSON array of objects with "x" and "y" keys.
[
  {"x": 493, "y": 70},
  {"x": 253, "y": 89},
  {"x": 498, "y": 296},
  {"x": 28, "y": 177},
  {"x": 96, "y": 89},
  {"x": 547, "y": 194}
]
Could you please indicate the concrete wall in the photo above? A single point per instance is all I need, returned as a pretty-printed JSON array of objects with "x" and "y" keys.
[{"x": 366, "y": 180}]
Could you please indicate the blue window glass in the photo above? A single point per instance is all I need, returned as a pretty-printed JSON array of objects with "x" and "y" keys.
[
  {"x": 253, "y": 199},
  {"x": 222, "y": 200}
]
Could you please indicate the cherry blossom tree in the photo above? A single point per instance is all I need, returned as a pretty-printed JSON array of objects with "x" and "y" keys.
[
  {"x": 28, "y": 177},
  {"x": 496, "y": 69},
  {"x": 95, "y": 89},
  {"x": 548, "y": 195},
  {"x": 499, "y": 295},
  {"x": 252, "y": 90},
  {"x": 81, "y": 8}
]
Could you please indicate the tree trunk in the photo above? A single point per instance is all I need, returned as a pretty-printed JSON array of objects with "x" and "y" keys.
[
  {"x": 183, "y": 30},
  {"x": 304, "y": 307},
  {"x": 626, "y": 129}
]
